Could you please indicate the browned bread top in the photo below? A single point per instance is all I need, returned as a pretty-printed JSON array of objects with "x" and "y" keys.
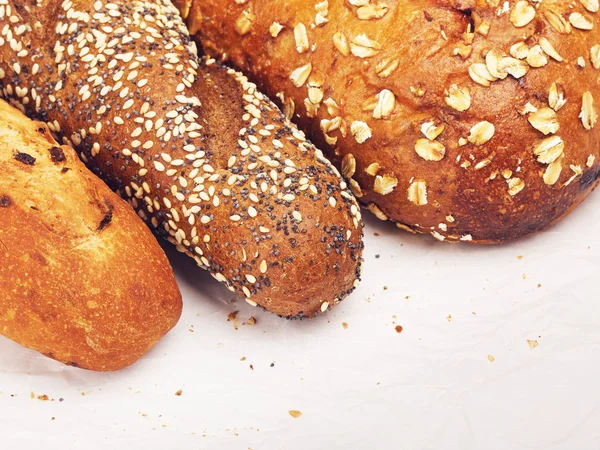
[
  {"x": 82, "y": 280},
  {"x": 471, "y": 120},
  {"x": 203, "y": 156}
]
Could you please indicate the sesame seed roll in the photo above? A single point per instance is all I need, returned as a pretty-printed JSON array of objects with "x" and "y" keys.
[{"x": 204, "y": 158}]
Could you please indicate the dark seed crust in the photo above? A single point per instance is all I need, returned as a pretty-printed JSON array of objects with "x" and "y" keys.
[
  {"x": 201, "y": 155},
  {"x": 25, "y": 158},
  {"x": 5, "y": 201},
  {"x": 470, "y": 120},
  {"x": 57, "y": 155}
]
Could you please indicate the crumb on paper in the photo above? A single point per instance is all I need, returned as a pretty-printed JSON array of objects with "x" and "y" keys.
[
  {"x": 178, "y": 393},
  {"x": 399, "y": 328},
  {"x": 524, "y": 276},
  {"x": 251, "y": 320},
  {"x": 375, "y": 234},
  {"x": 345, "y": 325},
  {"x": 385, "y": 288},
  {"x": 539, "y": 285},
  {"x": 449, "y": 318},
  {"x": 251, "y": 367},
  {"x": 407, "y": 297},
  {"x": 43, "y": 398},
  {"x": 520, "y": 257},
  {"x": 295, "y": 413},
  {"x": 532, "y": 343},
  {"x": 232, "y": 317},
  {"x": 243, "y": 358},
  {"x": 491, "y": 358}
]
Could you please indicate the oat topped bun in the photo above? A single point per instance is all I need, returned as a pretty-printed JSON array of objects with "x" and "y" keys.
[{"x": 471, "y": 120}]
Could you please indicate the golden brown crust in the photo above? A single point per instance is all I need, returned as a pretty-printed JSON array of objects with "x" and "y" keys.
[
  {"x": 205, "y": 158},
  {"x": 413, "y": 80},
  {"x": 83, "y": 280}
]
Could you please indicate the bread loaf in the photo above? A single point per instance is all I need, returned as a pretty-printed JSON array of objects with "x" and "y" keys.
[
  {"x": 204, "y": 158},
  {"x": 82, "y": 279},
  {"x": 472, "y": 120}
]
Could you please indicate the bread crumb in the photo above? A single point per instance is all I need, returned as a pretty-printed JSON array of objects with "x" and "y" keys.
[
  {"x": 295, "y": 413},
  {"x": 491, "y": 358},
  {"x": 178, "y": 393},
  {"x": 345, "y": 325},
  {"x": 520, "y": 257},
  {"x": 449, "y": 318},
  {"x": 385, "y": 288},
  {"x": 233, "y": 317},
  {"x": 399, "y": 329},
  {"x": 532, "y": 343},
  {"x": 251, "y": 320}
]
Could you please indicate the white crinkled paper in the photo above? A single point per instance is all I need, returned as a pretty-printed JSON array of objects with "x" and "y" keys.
[{"x": 461, "y": 375}]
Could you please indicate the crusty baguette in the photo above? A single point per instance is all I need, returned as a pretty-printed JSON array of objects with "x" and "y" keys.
[
  {"x": 82, "y": 279},
  {"x": 205, "y": 158},
  {"x": 447, "y": 116}
]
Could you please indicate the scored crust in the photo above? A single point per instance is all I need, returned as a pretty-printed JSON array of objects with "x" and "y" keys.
[
  {"x": 204, "y": 158},
  {"x": 472, "y": 120}
]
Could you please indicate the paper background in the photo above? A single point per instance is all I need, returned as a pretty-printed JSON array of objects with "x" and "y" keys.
[{"x": 364, "y": 387}]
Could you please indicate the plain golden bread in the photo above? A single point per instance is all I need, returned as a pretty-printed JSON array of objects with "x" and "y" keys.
[
  {"x": 472, "y": 120},
  {"x": 83, "y": 280},
  {"x": 203, "y": 157}
]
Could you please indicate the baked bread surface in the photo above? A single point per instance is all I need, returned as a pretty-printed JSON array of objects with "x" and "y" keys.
[
  {"x": 472, "y": 120},
  {"x": 82, "y": 279},
  {"x": 206, "y": 159}
]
